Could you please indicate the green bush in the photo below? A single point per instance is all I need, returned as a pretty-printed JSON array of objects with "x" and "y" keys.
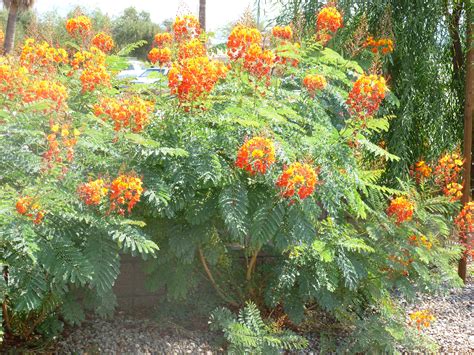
[{"x": 336, "y": 250}]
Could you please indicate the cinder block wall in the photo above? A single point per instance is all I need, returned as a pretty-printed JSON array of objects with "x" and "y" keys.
[{"x": 130, "y": 286}]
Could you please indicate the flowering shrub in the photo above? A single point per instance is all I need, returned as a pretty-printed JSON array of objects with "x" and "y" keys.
[{"x": 315, "y": 205}]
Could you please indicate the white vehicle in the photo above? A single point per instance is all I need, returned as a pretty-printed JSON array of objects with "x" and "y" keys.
[
  {"x": 135, "y": 68},
  {"x": 152, "y": 75}
]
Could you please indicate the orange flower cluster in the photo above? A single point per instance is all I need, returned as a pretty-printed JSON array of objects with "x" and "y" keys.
[
  {"x": 186, "y": 28},
  {"x": 448, "y": 175},
  {"x": 61, "y": 137},
  {"x": 421, "y": 171},
  {"x": 93, "y": 191},
  {"x": 329, "y": 19},
  {"x": 163, "y": 38},
  {"x": 420, "y": 240},
  {"x": 241, "y": 39},
  {"x": 12, "y": 81},
  {"x": 422, "y": 318},
  {"x": 314, "y": 83},
  {"x": 298, "y": 178},
  {"x": 103, "y": 41},
  {"x": 125, "y": 190},
  {"x": 282, "y": 32},
  {"x": 192, "y": 48},
  {"x": 256, "y": 155},
  {"x": 193, "y": 78},
  {"x": 46, "y": 90},
  {"x": 94, "y": 72},
  {"x": 130, "y": 112},
  {"x": 366, "y": 95},
  {"x": 383, "y": 45},
  {"x": 259, "y": 62},
  {"x": 79, "y": 26},
  {"x": 465, "y": 224},
  {"x": 28, "y": 207},
  {"x": 453, "y": 190},
  {"x": 41, "y": 55},
  {"x": 161, "y": 56},
  {"x": 401, "y": 208}
]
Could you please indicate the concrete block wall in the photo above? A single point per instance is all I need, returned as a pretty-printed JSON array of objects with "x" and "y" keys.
[{"x": 130, "y": 286}]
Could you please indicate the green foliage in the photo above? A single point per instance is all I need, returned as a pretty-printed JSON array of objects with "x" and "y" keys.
[{"x": 248, "y": 334}]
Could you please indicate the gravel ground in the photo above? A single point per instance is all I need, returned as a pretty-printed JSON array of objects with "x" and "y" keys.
[
  {"x": 129, "y": 335},
  {"x": 453, "y": 331}
]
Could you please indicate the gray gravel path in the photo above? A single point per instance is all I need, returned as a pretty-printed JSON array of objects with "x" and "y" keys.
[{"x": 453, "y": 331}]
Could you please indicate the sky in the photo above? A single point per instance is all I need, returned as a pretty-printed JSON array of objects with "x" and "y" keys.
[{"x": 219, "y": 12}]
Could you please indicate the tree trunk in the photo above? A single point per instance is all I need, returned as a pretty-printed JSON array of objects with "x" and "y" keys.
[
  {"x": 468, "y": 117},
  {"x": 202, "y": 14},
  {"x": 11, "y": 27}
]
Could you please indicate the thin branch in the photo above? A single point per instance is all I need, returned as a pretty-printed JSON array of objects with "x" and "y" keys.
[{"x": 213, "y": 281}]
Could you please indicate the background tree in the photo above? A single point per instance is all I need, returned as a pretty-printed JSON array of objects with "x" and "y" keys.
[
  {"x": 134, "y": 26},
  {"x": 14, "y": 7},
  {"x": 202, "y": 14},
  {"x": 468, "y": 117}
]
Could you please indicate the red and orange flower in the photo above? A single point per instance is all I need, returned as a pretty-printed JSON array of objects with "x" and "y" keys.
[
  {"x": 298, "y": 178},
  {"x": 163, "y": 38},
  {"x": 257, "y": 155},
  {"x": 103, "y": 41},
  {"x": 30, "y": 208},
  {"x": 383, "y": 45},
  {"x": 127, "y": 113},
  {"x": 314, "y": 83},
  {"x": 259, "y": 62},
  {"x": 193, "y": 79},
  {"x": 282, "y": 32},
  {"x": 125, "y": 192},
  {"x": 329, "y": 19},
  {"x": 241, "y": 39},
  {"x": 93, "y": 192},
  {"x": 191, "y": 48},
  {"x": 366, "y": 95},
  {"x": 422, "y": 318},
  {"x": 186, "y": 28},
  {"x": 79, "y": 26},
  {"x": 161, "y": 56},
  {"x": 401, "y": 208}
]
